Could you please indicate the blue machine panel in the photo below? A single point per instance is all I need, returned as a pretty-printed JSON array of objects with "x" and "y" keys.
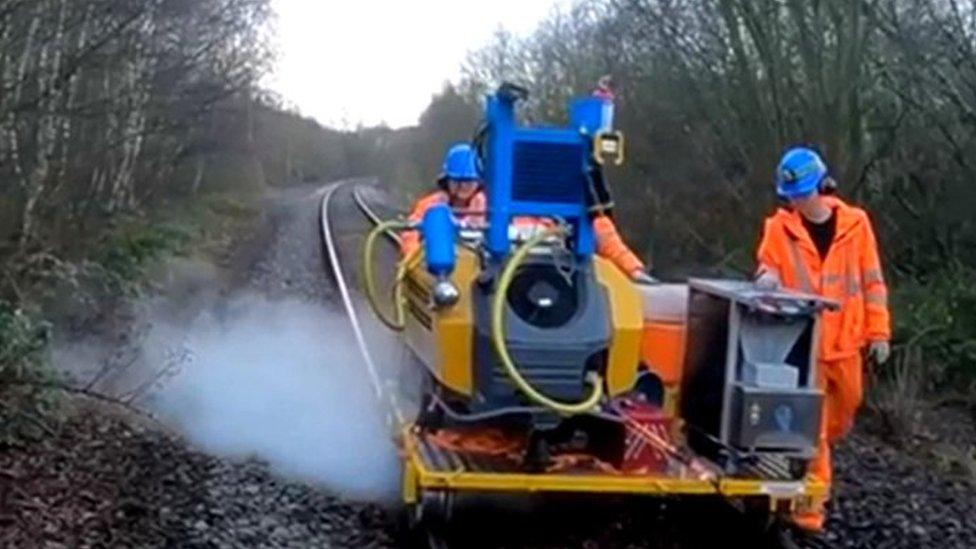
[
  {"x": 539, "y": 172},
  {"x": 548, "y": 171},
  {"x": 591, "y": 115}
]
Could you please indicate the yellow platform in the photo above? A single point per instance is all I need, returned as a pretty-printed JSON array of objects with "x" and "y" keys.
[{"x": 428, "y": 467}]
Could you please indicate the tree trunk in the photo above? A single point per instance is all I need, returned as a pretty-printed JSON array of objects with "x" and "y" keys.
[{"x": 46, "y": 138}]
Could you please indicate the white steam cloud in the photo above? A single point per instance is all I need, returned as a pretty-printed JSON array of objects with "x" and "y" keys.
[{"x": 283, "y": 381}]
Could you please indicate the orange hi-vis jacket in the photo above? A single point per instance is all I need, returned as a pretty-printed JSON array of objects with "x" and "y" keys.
[
  {"x": 850, "y": 274},
  {"x": 609, "y": 244},
  {"x": 474, "y": 212}
]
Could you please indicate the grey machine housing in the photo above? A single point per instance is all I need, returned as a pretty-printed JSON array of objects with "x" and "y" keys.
[
  {"x": 749, "y": 388},
  {"x": 557, "y": 330}
]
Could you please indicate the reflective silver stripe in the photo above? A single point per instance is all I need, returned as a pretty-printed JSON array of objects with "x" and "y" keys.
[
  {"x": 831, "y": 279},
  {"x": 880, "y": 299},
  {"x": 872, "y": 276},
  {"x": 801, "y": 269},
  {"x": 853, "y": 286}
]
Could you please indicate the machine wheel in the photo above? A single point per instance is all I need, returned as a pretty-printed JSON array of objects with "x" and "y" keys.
[
  {"x": 409, "y": 529},
  {"x": 757, "y": 515},
  {"x": 782, "y": 536},
  {"x": 766, "y": 526},
  {"x": 423, "y": 525}
]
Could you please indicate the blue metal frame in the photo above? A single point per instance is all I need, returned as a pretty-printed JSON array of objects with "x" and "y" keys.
[{"x": 504, "y": 136}]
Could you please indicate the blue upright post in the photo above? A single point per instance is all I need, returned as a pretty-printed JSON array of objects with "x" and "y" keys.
[{"x": 501, "y": 119}]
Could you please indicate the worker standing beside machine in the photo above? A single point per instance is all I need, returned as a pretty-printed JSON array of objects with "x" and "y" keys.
[{"x": 820, "y": 244}]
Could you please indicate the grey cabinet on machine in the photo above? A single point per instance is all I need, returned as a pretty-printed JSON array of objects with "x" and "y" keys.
[{"x": 750, "y": 382}]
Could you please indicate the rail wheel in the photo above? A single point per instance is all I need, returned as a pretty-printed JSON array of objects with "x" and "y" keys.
[{"x": 424, "y": 524}]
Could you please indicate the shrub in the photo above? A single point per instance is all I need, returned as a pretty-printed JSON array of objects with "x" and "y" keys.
[
  {"x": 126, "y": 256},
  {"x": 898, "y": 398},
  {"x": 937, "y": 315},
  {"x": 27, "y": 396}
]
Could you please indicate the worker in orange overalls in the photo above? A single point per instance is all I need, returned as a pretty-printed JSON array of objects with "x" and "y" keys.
[
  {"x": 460, "y": 187},
  {"x": 820, "y": 244}
]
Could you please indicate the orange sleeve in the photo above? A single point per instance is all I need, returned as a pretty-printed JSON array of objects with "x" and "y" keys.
[
  {"x": 611, "y": 246},
  {"x": 767, "y": 256},
  {"x": 410, "y": 240},
  {"x": 877, "y": 315}
]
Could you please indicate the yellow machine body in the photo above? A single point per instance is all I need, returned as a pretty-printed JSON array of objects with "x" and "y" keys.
[{"x": 442, "y": 338}]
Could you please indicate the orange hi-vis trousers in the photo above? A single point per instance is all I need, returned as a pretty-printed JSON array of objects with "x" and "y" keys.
[{"x": 842, "y": 384}]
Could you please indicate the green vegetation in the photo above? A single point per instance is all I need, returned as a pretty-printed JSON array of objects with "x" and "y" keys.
[
  {"x": 27, "y": 407},
  {"x": 936, "y": 317},
  {"x": 129, "y": 136}
]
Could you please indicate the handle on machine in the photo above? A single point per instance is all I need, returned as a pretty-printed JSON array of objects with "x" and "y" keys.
[{"x": 615, "y": 137}]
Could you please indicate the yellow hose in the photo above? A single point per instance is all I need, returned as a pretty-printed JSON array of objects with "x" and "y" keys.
[
  {"x": 498, "y": 337},
  {"x": 404, "y": 267},
  {"x": 369, "y": 275}
]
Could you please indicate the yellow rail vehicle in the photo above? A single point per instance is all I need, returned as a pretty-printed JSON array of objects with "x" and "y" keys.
[{"x": 546, "y": 369}]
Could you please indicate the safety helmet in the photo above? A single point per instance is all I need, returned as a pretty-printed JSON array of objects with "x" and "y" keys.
[
  {"x": 800, "y": 172},
  {"x": 460, "y": 164}
]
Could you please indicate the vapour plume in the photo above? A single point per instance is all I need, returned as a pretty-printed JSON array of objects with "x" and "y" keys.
[{"x": 283, "y": 381}]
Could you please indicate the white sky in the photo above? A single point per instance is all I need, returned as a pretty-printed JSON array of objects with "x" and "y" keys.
[{"x": 345, "y": 62}]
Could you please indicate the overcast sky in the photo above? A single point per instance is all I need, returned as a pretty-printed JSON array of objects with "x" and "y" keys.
[{"x": 373, "y": 61}]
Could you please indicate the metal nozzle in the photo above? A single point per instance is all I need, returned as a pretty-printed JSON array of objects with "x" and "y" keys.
[{"x": 445, "y": 293}]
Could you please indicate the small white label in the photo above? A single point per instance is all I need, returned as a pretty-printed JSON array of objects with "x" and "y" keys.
[{"x": 782, "y": 489}]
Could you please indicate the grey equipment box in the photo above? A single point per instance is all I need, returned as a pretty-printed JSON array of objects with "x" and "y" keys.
[{"x": 749, "y": 386}]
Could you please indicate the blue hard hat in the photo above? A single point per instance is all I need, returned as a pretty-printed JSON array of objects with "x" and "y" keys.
[
  {"x": 799, "y": 173},
  {"x": 460, "y": 163}
]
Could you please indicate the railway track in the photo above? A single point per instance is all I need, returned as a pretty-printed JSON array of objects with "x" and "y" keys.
[
  {"x": 332, "y": 248},
  {"x": 384, "y": 386}
]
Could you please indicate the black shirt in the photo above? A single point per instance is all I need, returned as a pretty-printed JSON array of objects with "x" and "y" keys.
[{"x": 822, "y": 234}]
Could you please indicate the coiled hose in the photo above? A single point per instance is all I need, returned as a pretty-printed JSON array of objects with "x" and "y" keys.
[
  {"x": 497, "y": 311},
  {"x": 395, "y": 323},
  {"x": 501, "y": 349}
]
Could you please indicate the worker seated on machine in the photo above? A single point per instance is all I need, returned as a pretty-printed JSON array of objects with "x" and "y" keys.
[{"x": 460, "y": 187}]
